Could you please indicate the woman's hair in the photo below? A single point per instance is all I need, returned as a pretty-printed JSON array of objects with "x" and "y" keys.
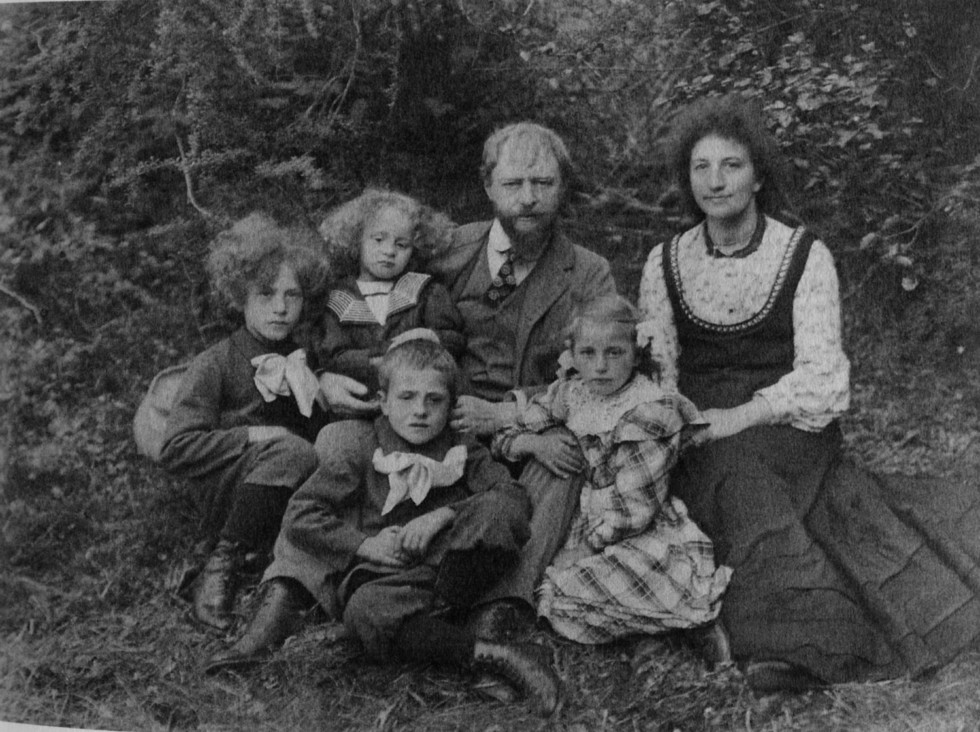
[
  {"x": 731, "y": 117},
  {"x": 252, "y": 251},
  {"x": 343, "y": 228},
  {"x": 419, "y": 354},
  {"x": 531, "y": 136},
  {"x": 612, "y": 310}
]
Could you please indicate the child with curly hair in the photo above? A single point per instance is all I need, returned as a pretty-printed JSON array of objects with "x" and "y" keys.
[
  {"x": 634, "y": 562},
  {"x": 376, "y": 244},
  {"x": 246, "y": 413}
]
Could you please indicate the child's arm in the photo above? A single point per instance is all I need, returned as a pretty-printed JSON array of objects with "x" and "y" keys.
[
  {"x": 195, "y": 444},
  {"x": 385, "y": 548},
  {"x": 648, "y": 440},
  {"x": 418, "y": 533},
  {"x": 439, "y": 314},
  {"x": 338, "y": 353},
  {"x": 558, "y": 451},
  {"x": 313, "y": 520}
]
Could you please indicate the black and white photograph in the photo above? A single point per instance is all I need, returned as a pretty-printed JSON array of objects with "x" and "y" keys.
[{"x": 491, "y": 365}]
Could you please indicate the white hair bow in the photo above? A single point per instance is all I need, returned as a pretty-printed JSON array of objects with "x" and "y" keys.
[
  {"x": 412, "y": 476},
  {"x": 277, "y": 375}
]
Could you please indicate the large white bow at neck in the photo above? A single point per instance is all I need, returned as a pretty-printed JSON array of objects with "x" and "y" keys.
[
  {"x": 411, "y": 475},
  {"x": 277, "y": 375}
]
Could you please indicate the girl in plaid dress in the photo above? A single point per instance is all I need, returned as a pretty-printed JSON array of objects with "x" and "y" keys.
[{"x": 634, "y": 562}]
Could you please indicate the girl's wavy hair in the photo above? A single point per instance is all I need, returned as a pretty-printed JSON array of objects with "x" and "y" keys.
[
  {"x": 343, "y": 228},
  {"x": 740, "y": 119},
  {"x": 251, "y": 253},
  {"x": 612, "y": 309}
]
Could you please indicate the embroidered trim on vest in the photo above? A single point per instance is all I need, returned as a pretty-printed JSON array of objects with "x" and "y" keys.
[
  {"x": 767, "y": 307},
  {"x": 351, "y": 308}
]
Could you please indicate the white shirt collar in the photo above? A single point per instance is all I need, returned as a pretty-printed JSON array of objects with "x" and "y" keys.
[
  {"x": 382, "y": 287},
  {"x": 498, "y": 241}
]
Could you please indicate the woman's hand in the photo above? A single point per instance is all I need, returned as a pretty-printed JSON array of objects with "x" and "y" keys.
[
  {"x": 724, "y": 423},
  {"x": 346, "y": 395},
  {"x": 418, "y": 533},
  {"x": 384, "y": 548},
  {"x": 480, "y": 417},
  {"x": 558, "y": 451},
  {"x": 263, "y": 432}
]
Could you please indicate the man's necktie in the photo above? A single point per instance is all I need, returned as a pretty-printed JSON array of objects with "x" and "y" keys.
[{"x": 504, "y": 283}]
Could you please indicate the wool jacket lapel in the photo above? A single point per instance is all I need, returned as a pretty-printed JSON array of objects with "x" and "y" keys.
[{"x": 547, "y": 282}]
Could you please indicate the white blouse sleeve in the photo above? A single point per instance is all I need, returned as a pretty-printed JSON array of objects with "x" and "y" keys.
[
  {"x": 817, "y": 390},
  {"x": 657, "y": 330}
]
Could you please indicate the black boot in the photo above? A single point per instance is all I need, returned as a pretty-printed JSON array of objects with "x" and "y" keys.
[
  {"x": 711, "y": 642},
  {"x": 523, "y": 666},
  {"x": 501, "y": 620},
  {"x": 766, "y": 677},
  {"x": 277, "y": 617},
  {"x": 214, "y": 595}
]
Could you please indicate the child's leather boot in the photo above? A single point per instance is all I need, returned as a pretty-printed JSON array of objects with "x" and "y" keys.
[
  {"x": 214, "y": 595},
  {"x": 523, "y": 666}
]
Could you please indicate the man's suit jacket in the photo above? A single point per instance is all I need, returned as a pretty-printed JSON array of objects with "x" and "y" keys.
[{"x": 573, "y": 275}]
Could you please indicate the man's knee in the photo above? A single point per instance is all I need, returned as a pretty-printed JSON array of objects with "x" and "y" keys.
[{"x": 545, "y": 489}]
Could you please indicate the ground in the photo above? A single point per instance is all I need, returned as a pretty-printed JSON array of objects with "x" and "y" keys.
[{"x": 94, "y": 635}]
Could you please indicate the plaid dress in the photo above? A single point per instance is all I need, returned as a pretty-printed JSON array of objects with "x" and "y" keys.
[{"x": 634, "y": 562}]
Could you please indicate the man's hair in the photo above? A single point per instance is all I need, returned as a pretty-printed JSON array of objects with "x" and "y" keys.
[
  {"x": 532, "y": 135},
  {"x": 419, "y": 354},
  {"x": 252, "y": 251},
  {"x": 343, "y": 228},
  {"x": 739, "y": 119},
  {"x": 613, "y": 310}
]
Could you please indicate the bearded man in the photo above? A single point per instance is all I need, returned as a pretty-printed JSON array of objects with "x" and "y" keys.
[{"x": 516, "y": 280}]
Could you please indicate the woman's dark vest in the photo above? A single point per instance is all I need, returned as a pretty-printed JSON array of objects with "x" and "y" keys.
[{"x": 722, "y": 366}]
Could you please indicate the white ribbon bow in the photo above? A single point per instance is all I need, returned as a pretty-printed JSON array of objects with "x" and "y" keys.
[
  {"x": 412, "y": 476},
  {"x": 277, "y": 375}
]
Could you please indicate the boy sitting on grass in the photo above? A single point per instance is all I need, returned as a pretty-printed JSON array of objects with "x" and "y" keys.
[
  {"x": 412, "y": 522},
  {"x": 245, "y": 416}
]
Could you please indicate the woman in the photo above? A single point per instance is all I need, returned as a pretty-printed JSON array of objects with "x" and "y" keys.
[{"x": 837, "y": 575}]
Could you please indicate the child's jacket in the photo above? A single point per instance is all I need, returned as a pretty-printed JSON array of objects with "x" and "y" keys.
[
  {"x": 341, "y": 504},
  {"x": 352, "y": 336},
  {"x": 218, "y": 401}
]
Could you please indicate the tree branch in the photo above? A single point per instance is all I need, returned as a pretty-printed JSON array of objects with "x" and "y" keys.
[
  {"x": 189, "y": 183},
  {"x": 35, "y": 311}
]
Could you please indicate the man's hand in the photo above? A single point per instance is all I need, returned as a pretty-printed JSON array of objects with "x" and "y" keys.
[
  {"x": 384, "y": 548},
  {"x": 557, "y": 451},
  {"x": 418, "y": 533},
  {"x": 480, "y": 417},
  {"x": 261, "y": 433},
  {"x": 567, "y": 557},
  {"x": 346, "y": 395}
]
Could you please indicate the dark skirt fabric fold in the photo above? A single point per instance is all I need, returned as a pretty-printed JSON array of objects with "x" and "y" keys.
[{"x": 846, "y": 574}]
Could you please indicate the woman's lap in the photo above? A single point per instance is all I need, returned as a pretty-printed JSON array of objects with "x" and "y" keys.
[{"x": 828, "y": 575}]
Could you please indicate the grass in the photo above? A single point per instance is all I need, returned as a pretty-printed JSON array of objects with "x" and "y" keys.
[{"x": 93, "y": 542}]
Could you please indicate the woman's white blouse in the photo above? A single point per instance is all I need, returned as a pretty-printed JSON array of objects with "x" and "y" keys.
[{"x": 729, "y": 290}]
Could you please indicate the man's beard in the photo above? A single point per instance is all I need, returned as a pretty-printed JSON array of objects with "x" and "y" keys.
[{"x": 528, "y": 244}]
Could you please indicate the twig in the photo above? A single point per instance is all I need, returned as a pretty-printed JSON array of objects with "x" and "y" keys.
[
  {"x": 334, "y": 110},
  {"x": 32, "y": 586},
  {"x": 35, "y": 311},
  {"x": 189, "y": 183}
]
